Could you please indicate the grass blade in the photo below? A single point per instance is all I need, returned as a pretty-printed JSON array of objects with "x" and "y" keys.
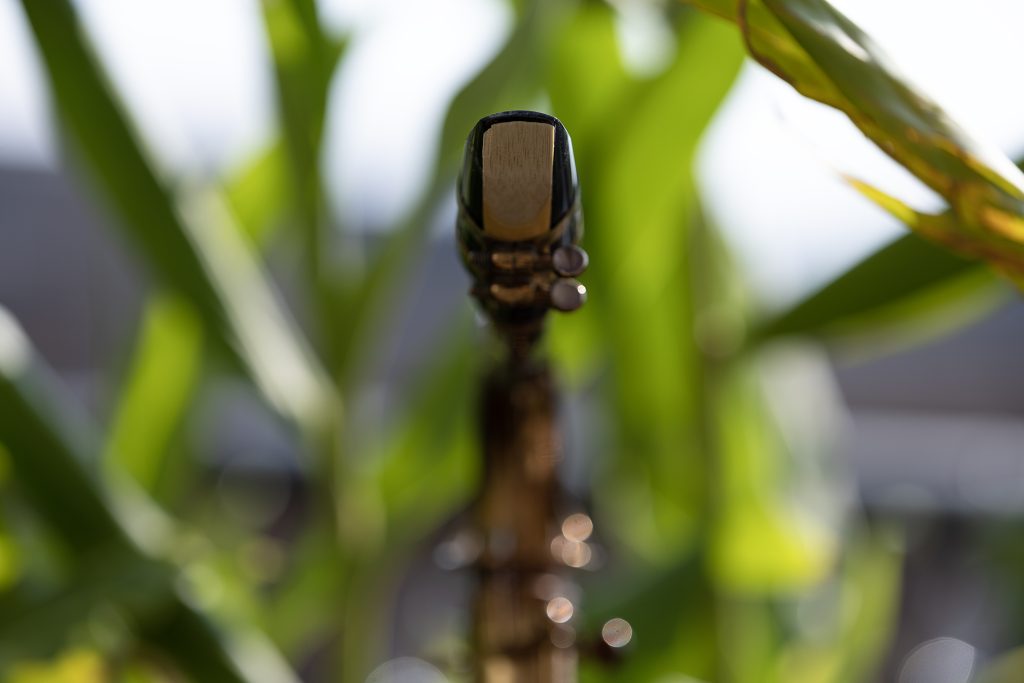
[{"x": 193, "y": 248}]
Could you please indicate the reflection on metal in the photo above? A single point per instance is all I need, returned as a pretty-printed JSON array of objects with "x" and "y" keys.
[
  {"x": 516, "y": 513},
  {"x": 617, "y": 633},
  {"x": 560, "y": 610},
  {"x": 563, "y": 636},
  {"x": 576, "y": 554},
  {"x": 577, "y": 527}
]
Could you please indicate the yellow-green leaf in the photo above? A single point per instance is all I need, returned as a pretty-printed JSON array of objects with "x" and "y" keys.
[
  {"x": 827, "y": 57},
  {"x": 154, "y": 398}
]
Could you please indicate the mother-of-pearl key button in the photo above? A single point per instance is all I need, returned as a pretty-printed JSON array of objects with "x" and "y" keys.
[
  {"x": 567, "y": 294},
  {"x": 570, "y": 260}
]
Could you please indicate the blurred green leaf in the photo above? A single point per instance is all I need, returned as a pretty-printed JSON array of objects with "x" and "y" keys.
[
  {"x": 869, "y": 603},
  {"x": 906, "y": 271},
  {"x": 419, "y": 471},
  {"x": 190, "y": 241},
  {"x": 37, "y": 626},
  {"x": 276, "y": 355},
  {"x": 585, "y": 74},
  {"x": 673, "y": 615},
  {"x": 417, "y": 467},
  {"x": 637, "y": 187},
  {"x": 10, "y": 561},
  {"x": 257, "y": 193},
  {"x": 764, "y": 540},
  {"x": 53, "y": 454},
  {"x": 79, "y": 665},
  {"x": 827, "y": 57},
  {"x": 412, "y": 471},
  {"x": 305, "y": 59},
  {"x": 157, "y": 390},
  {"x": 37, "y": 434},
  {"x": 427, "y": 467}
]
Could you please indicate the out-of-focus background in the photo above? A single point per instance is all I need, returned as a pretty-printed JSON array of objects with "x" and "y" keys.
[{"x": 239, "y": 359}]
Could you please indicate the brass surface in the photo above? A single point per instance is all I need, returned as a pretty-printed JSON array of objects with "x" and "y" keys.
[{"x": 517, "y": 641}]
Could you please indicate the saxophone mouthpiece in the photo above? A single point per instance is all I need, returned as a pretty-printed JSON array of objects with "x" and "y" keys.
[{"x": 519, "y": 217}]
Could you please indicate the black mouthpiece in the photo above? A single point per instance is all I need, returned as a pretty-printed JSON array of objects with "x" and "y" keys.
[{"x": 520, "y": 218}]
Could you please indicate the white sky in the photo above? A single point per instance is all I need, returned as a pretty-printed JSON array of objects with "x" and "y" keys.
[
  {"x": 409, "y": 58},
  {"x": 202, "y": 92}
]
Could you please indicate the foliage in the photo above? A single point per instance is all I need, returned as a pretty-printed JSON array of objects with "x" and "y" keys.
[
  {"x": 722, "y": 517},
  {"x": 827, "y": 57}
]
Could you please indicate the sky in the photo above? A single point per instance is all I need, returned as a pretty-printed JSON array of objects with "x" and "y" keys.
[{"x": 769, "y": 165}]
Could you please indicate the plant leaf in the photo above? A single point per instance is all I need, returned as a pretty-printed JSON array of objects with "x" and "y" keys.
[
  {"x": 162, "y": 378},
  {"x": 256, "y": 193},
  {"x": 34, "y": 626},
  {"x": 827, "y": 57},
  {"x": 422, "y": 468},
  {"x": 898, "y": 273},
  {"x": 193, "y": 247},
  {"x": 767, "y": 538},
  {"x": 52, "y": 453},
  {"x": 37, "y": 433},
  {"x": 305, "y": 59},
  {"x": 636, "y": 180}
]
